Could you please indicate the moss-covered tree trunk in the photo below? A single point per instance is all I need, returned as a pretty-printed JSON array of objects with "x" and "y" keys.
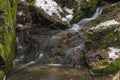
[{"x": 7, "y": 32}]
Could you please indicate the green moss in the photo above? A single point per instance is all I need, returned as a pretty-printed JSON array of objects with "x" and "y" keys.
[
  {"x": 7, "y": 32},
  {"x": 87, "y": 10},
  {"x": 103, "y": 38},
  {"x": 93, "y": 5},
  {"x": 109, "y": 68},
  {"x": 1, "y": 75}
]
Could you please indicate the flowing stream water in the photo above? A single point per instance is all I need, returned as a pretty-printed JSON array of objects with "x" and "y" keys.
[
  {"x": 74, "y": 28},
  {"x": 69, "y": 55}
]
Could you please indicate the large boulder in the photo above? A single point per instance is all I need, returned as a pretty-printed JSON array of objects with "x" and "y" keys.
[{"x": 62, "y": 12}]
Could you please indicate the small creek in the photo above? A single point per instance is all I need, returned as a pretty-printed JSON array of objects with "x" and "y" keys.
[{"x": 55, "y": 56}]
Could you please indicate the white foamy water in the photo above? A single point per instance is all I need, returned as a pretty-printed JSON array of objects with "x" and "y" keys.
[
  {"x": 86, "y": 20},
  {"x": 41, "y": 55},
  {"x": 75, "y": 28},
  {"x": 27, "y": 64},
  {"x": 17, "y": 59},
  {"x": 54, "y": 64},
  {"x": 82, "y": 24},
  {"x": 4, "y": 78}
]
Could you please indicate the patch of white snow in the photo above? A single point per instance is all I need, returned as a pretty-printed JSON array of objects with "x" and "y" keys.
[
  {"x": 51, "y": 7},
  {"x": 105, "y": 24},
  {"x": 114, "y": 53},
  {"x": 69, "y": 17},
  {"x": 64, "y": 19},
  {"x": 70, "y": 11}
]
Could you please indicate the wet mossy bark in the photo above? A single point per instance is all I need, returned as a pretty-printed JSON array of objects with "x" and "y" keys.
[{"x": 7, "y": 32}]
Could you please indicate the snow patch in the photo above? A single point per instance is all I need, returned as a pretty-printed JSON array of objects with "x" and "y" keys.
[
  {"x": 51, "y": 7},
  {"x": 70, "y": 11},
  {"x": 64, "y": 19},
  {"x": 105, "y": 24},
  {"x": 114, "y": 53},
  {"x": 69, "y": 17}
]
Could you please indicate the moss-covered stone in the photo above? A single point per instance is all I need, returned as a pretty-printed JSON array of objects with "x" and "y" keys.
[
  {"x": 104, "y": 67},
  {"x": 7, "y": 32},
  {"x": 103, "y": 38},
  {"x": 81, "y": 9}
]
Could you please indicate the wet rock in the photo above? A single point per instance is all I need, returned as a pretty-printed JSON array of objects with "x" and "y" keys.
[{"x": 23, "y": 27}]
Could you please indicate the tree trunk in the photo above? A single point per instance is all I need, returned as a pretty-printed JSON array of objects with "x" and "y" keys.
[{"x": 7, "y": 33}]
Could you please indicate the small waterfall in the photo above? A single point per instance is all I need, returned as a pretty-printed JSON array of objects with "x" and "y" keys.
[
  {"x": 19, "y": 57},
  {"x": 74, "y": 28},
  {"x": 86, "y": 21},
  {"x": 70, "y": 54},
  {"x": 80, "y": 25}
]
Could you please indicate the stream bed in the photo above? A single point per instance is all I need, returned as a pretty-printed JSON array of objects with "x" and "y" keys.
[{"x": 54, "y": 54}]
